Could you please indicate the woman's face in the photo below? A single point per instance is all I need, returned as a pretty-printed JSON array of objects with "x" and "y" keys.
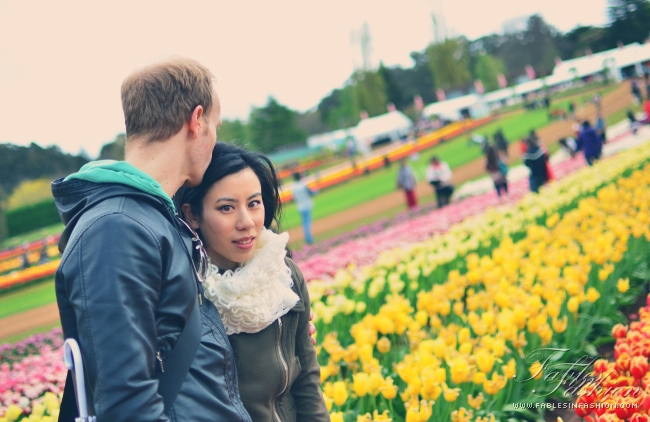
[{"x": 233, "y": 218}]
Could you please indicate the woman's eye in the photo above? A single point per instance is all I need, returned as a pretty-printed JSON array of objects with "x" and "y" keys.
[
  {"x": 255, "y": 204},
  {"x": 226, "y": 208}
]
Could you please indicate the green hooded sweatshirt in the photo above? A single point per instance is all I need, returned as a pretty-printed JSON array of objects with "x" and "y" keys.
[{"x": 111, "y": 171}]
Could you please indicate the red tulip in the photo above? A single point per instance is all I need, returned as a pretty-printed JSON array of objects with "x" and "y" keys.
[
  {"x": 582, "y": 407},
  {"x": 619, "y": 331},
  {"x": 623, "y": 362},
  {"x": 600, "y": 366},
  {"x": 624, "y": 409},
  {"x": 639, "y": 366}
]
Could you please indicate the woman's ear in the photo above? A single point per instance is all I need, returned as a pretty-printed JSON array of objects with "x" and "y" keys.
[{"x": 189, "y": 216}]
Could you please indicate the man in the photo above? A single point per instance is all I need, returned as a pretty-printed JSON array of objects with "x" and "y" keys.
[
  {"x": 590, "y": 143},
  {"x": 127, "y": 288},
  {"x": 302, "y": 197},
  {"x": 406, "y": 181},
  {"x": 439, "y": 176}
]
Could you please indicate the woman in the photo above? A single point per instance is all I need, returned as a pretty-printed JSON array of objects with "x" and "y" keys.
[
  {"x": 536, "y": 159},
  {"x": 439, "y": 176},
  {"x": 497, "y": 170},
  {"x": 259, "y": 292}
]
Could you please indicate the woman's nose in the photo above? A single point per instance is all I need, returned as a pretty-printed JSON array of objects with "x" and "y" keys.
[{"x": 245, "y": 221}]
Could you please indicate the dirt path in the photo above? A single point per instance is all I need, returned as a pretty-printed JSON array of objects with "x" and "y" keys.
[
  {"x": 611, "y": 103},
  {"x": 28, "y": 320}
]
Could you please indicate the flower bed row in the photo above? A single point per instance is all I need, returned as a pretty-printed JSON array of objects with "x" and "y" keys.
[
  {"x": 365, "y": 250},
  {"x": 29, "y": 247},
  {"x": 32, "y": 377},
  {"x": 420, "y": 340}
]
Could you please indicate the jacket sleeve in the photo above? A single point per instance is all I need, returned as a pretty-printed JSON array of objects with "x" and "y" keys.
[
  {"x": 112, "y": 279},
  {"x": 305, "y": 390}
]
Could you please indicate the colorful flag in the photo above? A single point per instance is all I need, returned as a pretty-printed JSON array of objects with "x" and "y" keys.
[
  {"x": 478, "y": 86},
  {"x": 530, "y": 72},
  {"x": 440, "y": 94},
  {"x": 502, "y": 80}
]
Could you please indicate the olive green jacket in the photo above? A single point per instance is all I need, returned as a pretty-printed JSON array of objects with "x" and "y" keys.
[{"x": 279, "y": 376}]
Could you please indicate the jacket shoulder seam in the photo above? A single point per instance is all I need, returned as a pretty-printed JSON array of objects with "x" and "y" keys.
[{"x": 99, "y": 217}]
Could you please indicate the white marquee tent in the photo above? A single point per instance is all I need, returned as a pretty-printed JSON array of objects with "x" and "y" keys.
[{"x": 392, "y": 125}]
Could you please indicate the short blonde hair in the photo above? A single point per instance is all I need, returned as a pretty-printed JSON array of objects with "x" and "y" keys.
[{"x": 159, "y": 99}]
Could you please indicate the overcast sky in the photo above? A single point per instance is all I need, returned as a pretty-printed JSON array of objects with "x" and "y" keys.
[{"x": 62, "y": 62}]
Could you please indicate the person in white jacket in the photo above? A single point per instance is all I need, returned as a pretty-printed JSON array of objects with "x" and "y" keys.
[{"x": 439, "y": 176}]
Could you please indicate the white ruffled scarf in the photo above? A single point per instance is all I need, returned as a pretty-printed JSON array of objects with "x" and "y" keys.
[{"x": 256, "y": 294}]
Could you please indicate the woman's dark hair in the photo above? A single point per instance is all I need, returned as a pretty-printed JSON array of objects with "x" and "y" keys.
[
  {"x": 229, "y": 159},
  {"x": 492, "y": 156}
]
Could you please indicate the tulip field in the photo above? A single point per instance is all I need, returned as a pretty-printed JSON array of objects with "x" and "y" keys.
[
  {"x": 481, "y": 311},
  {"x": 473, "y": 324}
]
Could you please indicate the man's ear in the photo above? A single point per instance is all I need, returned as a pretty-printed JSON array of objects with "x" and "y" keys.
[
  {"x": 196, "y": 123},
  {"x": 189, "y": 216}
]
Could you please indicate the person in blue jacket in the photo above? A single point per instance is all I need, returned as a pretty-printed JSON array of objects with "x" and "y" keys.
[{"x": 590, "y": 143}]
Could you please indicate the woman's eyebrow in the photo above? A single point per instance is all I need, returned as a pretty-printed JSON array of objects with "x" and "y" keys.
[{"x": 226, "y": 199}]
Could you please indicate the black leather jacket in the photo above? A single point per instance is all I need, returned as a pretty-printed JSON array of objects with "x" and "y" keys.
[{"x": 124, "y": 290}]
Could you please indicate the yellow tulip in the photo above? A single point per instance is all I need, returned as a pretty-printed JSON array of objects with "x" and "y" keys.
[
  {"x": 623, "y": 285},
  {"x": 484, "y": 360},
  {"x": 383, "y": 417},
  {"x": 573, "y": 304},
  {"x": 376, "y": 381},
  {"x": 360, "y": 384},
  {"x": 339, "y": 393},
  {"x": 560, "y": 325},
  {"x": 450, "y": 394},
  {"x": 462, "y": 415},
  {"x": 536, "y": 370},
  {"x": 13, "y": 412},
  {"x": 388, "y": 390},
  {"x": 337, "y": 417},
  {"x": 592, "y": 295},
  {"x": 475, "y": 402},
  {"x": 383, "y": 345}
]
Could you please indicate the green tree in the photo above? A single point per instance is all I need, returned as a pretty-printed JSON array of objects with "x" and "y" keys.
[
  {"x": 236, "y": 132},
  {"x": 393, "y": 90},
  {"x": 449, "y": 63},
  {"x": 487, "y": 69},
  {"x": 370, "y": 92},
  {"x": 274, "y": 126},
  {"x": 114, "y": 150},
  {"x": 340, "y": 109},
  {"x": 629, "y": 21},
  {"x": 3, "y": 217}
]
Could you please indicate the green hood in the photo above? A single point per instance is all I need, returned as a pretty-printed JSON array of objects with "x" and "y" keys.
[{"x": 110, "y": 171}]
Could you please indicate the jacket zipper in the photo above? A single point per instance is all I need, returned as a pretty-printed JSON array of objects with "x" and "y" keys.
[
  {"x": 160, "y": 360},
  {"x": 286, "y": 370}
]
